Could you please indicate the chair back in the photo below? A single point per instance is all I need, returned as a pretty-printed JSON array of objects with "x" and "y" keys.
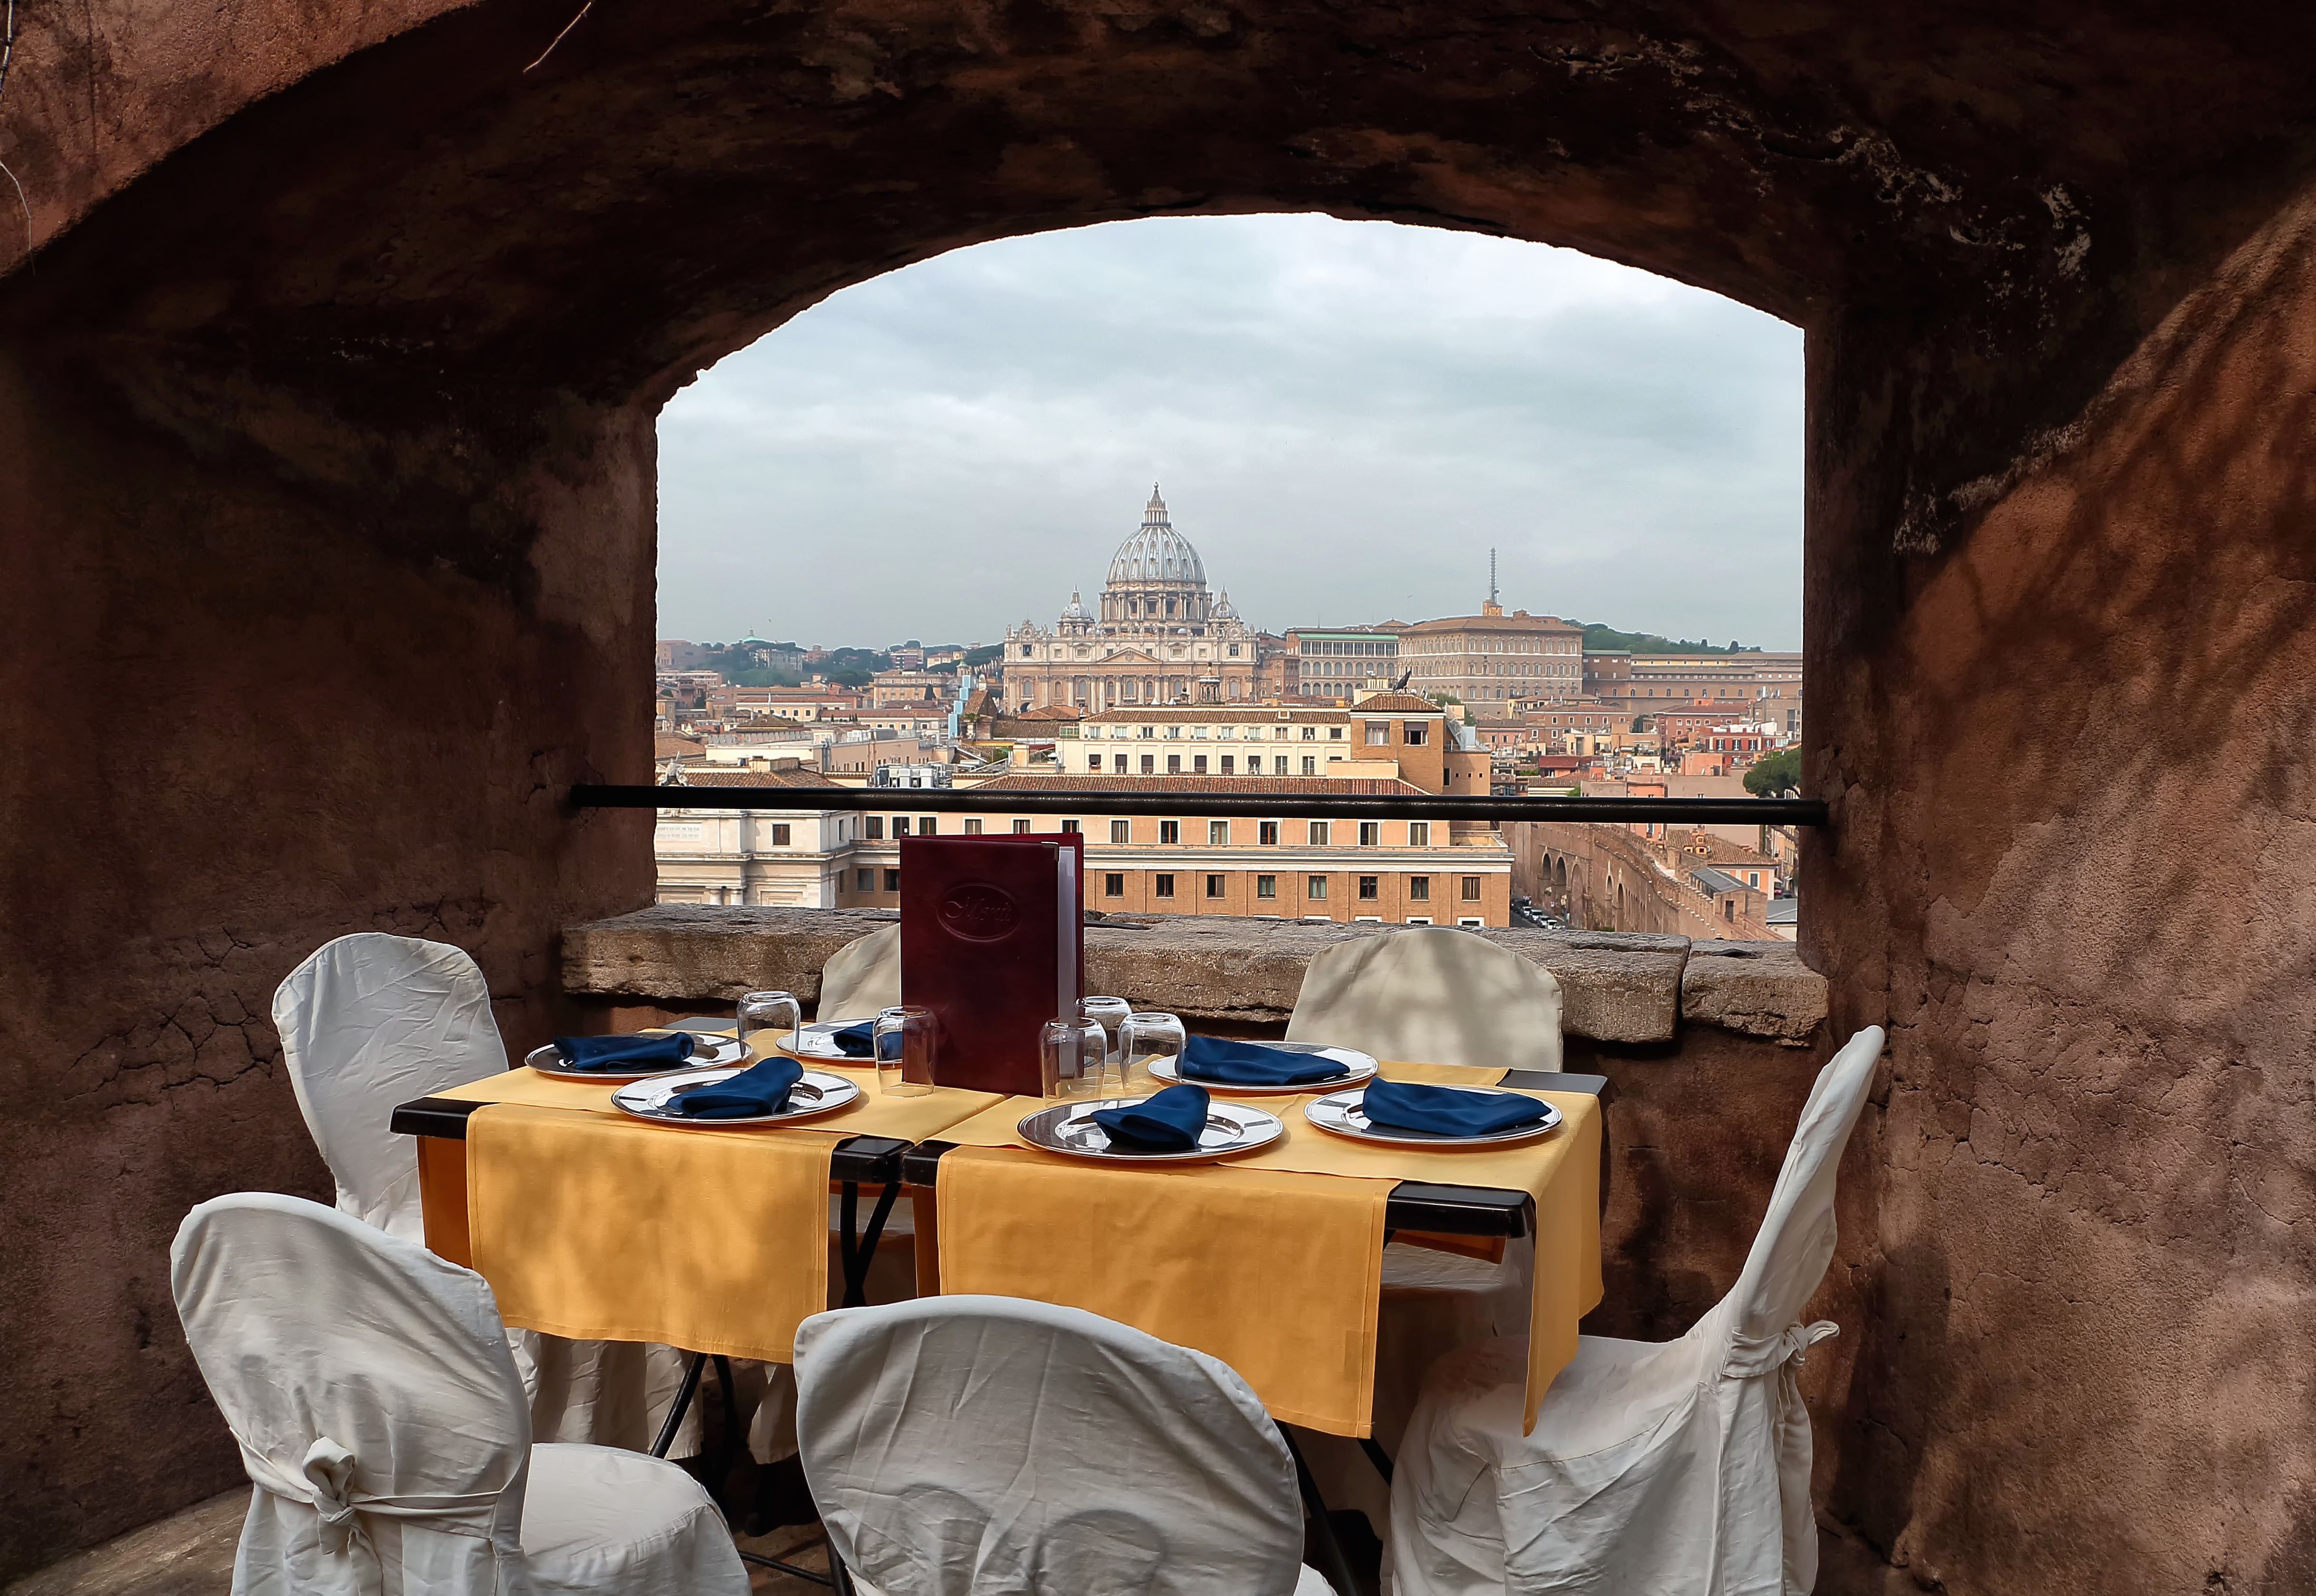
[
  {"x": 970, "y": 1444},
  {"x": 863, "y": 978},
  {"x": 1795, "y": 1242},
  {"x": 370, "y": 1386},
  {"x": 1431, "y": 994},
  {"x": 371, "y": 1021}
]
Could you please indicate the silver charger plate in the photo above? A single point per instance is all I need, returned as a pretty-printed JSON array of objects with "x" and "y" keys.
[
  {"x": 708, "y": 1052},
  {"x": 1362, "y": 1068},
  {"x": 1068, "y": 1128},
  {"x": 1338, "y": 1113},
  {"x": 817, "y": 1040},
  {"x": 818, "y": 1093}
]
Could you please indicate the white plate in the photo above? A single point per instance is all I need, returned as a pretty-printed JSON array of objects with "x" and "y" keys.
[
  {"x": 1069, "y": 1128},
  {"x": 708, "y": 1052},
  {"x": 1339, "y": 1113},
  {"x": 1362, "y": 1068},
  {"x": 818, "y": 1093},
  {"x": 817, "y": 1041}
]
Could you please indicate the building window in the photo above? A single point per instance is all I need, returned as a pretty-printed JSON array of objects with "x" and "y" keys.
[
  {"x": 1163, "y": 884},
  {"x": 1315, "y": 888},
  {"x": 1230, "y": 764},
  {"x": 1266, "y": 886},
  {"x": 900, "y": 825},
  {"x": 1334, "y": 734},
  {"x": 873, "y": 828},
  {"x": 1174, "y": 763},
  {"x": 973, "y": 826},
  {"x": 1113, "y": 885},
  {"x": 1470, "y": 889},
  {"x": 1121, "y": 831},
  {"x": 1117, "y": 762},
  {"x": 892, "y": 881},
  {"x": 1149, "y": 763},
  {"x": 1266, "y": 832},
  {"x": 1021, "y": 828},
  {"x": 1378, "y": 733},
  {"x": 1214, "y": 886},
  {"x": 1412, "y": 733},
  {"x": 927, "y": 825},
  {"x": 780, "y": 837},
  {"x": 1310, "y": 765},
  {"x": 1318, "y": 834},
  {"x": 1368, "y": 888},
  {"x": 1370, "y": 833},
  {"x": 1310, "y": 733},
  {"x": 1418, "y": 889},
  {"x": 1069, "y": 826},
  {"x": 1169, "y": 831},
  {"x": 1233, "y": 653},
  {"x": 1093, "y": 762},
  {"x": 1218, "y": 833},
  {"x": 1278, "y": 765},
  {"x": 1198, "y": 763},
  {"x": 864, "y": 881}
]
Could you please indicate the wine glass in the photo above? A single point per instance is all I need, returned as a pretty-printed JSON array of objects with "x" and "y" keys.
[
  {"x": 1147, "y": 1036},
  {"x": 1073, "y": 1058},
  {"x": 907, "y": 1041},
  {"x": 773, "y": 1016}
]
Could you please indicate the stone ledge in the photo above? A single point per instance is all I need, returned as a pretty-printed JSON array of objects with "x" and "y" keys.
[
  {"x": 1616, "y": 987},
  {"x": 1755, "y": 988}
]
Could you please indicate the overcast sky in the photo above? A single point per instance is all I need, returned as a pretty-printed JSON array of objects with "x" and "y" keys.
[{"x": 1344, "y": 417}]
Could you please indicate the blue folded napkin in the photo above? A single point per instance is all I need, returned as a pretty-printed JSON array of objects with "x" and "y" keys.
[
  {"x": 856, "y": 1041},
  {"x": 762, "y": 1090},
  {"x": 625, "y": 1052},
  {"x": 1446, "y": 1111},
  {"x": 1250, "y": 1064},
  {"x": 1169, "y": 1122}
]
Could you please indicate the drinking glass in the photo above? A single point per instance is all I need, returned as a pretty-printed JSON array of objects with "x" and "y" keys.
[
  {"x": 765, "y": 1013},
  {"x": 1073, "y": 1058},
  {"x": 1147, "y": 1036},
  {"x": 907, "y": 1041},
  {"x": 1110, "y": 1014}
]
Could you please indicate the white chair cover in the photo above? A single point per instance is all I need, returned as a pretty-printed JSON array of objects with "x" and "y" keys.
[
  {"x": 370, "y": 1386},
  {"x": 1433, "y": 994},
  {"x": 963, "y": 1445},
  {"x": 371, "y": 1021},
  {"x": 368, "y": 1022},
  {"x": 862, "y": 977},
  {"x": 1674, "y": 1468}
]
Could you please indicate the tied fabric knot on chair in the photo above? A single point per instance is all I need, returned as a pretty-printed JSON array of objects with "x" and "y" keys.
[
  {"x": 1169, "y": 1122},
  {"x": 1785, "y": 1352},
  {"x": 620, "y": 1052},
  {"x": 762, "y": 1090},
  {"x": 1250, "y": 1064},
  {"x": 1446, "y": 1111},
  {"x": 325, "y": 1482}
]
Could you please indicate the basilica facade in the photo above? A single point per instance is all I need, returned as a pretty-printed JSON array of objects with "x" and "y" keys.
[{"x": 1158, "y": 636}]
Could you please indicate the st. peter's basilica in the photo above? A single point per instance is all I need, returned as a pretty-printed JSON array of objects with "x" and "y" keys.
[{"x": 1159, "y": 637}]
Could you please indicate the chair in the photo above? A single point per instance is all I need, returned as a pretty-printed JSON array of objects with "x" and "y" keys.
[
  {"x": 861, "y": 977},
  {"x": 371, "y": 1021},
  {"x": 1673, "y": 1468},
  {"x": 1435, "y": 994},
  {"x": 370, "y": 1386},
  {"x": 960, "y": 1445}
]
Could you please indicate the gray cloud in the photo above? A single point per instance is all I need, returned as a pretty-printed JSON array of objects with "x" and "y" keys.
[{"x": 1345, "y": 416}]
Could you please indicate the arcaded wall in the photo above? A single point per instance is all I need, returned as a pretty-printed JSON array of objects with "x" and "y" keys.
[
  {"x": 269, "y": 678},
  {"x": 2071, "y": 867}
]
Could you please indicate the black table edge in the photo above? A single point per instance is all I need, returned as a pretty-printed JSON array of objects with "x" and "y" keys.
[{"x": 856, "y": 1158}]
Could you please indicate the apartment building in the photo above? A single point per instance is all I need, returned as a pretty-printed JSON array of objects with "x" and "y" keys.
[
  {"x": 1379, "y": 736},
  {"x": 1643, "y": 683},
  {"x": 1492, "y": 660},
  {"x": 1338, "y": 664}
]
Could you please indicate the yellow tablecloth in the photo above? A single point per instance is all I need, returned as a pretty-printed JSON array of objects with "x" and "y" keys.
[
  {"x": 592, "y": 1224},
  {"x": 1271, "y": 1261}
]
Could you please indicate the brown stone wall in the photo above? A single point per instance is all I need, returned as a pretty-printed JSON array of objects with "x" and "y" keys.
[{"x": 245, "y": 712}]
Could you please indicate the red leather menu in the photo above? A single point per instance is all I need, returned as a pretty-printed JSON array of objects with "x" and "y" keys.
[{"x": 993, "y": 941}]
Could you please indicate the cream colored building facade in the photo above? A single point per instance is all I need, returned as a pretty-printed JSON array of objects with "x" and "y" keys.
[
  {"x": 1157, "y": 636},
  {"x": 1492, "y": 660}
]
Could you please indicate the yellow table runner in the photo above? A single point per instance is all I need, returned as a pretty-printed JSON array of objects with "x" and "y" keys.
[
  {"x": 592, "y": 1224},
  {"x": 1271, "y": 1261}
]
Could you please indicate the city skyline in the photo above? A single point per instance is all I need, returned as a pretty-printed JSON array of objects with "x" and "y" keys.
[{"x": 951, "y": 448}]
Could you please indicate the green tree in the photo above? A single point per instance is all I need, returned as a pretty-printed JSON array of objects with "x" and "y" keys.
[{"x": 1779, "y": 774}]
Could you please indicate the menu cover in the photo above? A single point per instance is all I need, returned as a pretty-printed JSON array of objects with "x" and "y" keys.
[{"x": 993, "y": 941}]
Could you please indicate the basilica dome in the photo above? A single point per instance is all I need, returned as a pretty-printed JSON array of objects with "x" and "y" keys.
[{"x": 1157, "y": 554}]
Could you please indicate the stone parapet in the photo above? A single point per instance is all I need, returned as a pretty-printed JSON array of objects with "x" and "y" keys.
[{"x": 1616, "y": 987}]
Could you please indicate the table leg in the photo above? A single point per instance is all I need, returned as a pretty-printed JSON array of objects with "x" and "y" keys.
[
  {"x": 858, "y": 1255},
  {"x": 683, "y": 1401}
]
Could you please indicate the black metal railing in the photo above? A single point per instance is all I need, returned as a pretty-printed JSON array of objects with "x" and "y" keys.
[{"x": 1191, "y": 803}]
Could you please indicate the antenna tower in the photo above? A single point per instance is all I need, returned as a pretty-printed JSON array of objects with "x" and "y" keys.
[{"x": 1492, "y": 578}]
